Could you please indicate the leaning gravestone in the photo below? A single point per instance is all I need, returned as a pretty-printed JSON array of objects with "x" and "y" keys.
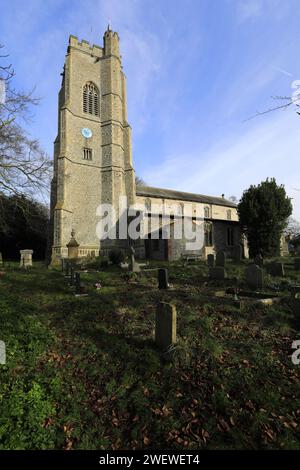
[
  {"x": 218, "y": 273},
  {"x": 297, "y": 264},
  {"x": 163, "y": 281},
  {"x": 26, "y": 258},
  {"x": 165, "y": 325},
  {"x": 210, "y": 260},
  {"x": 254, "y": 276},
  {"x": 276, "y": 269},
  {"x": 220, "y": 258}
]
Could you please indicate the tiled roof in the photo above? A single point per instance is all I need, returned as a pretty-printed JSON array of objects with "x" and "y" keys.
[{"x": 149, "y": 191}]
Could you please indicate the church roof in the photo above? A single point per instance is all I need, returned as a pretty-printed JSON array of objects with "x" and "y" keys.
[{"x": 149, "y": 191}]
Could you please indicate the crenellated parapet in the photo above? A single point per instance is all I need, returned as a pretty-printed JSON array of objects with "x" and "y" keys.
[{"x": 85, "y": 46}]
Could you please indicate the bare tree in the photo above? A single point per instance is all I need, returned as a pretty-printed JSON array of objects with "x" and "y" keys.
[
  {"x": 292, "y": 229},
  {"x": 139, "y": 181},
  {"x": 24, "y": 166},
  {"x": 285, "y": 102}
]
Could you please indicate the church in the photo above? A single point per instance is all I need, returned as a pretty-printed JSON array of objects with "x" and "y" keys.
[{"x": 93, "y": 166}]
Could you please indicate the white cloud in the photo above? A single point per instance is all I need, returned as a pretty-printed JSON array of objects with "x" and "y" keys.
[{"x": 267, "y": 149}]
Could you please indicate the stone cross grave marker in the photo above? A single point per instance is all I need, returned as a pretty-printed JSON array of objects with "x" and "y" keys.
[
  {"x": 211, "y": 260},
  {"x": 163, "y": 278},
  {"x": 165, "y": 325},
  {"x": 217, "y": 273},
  {"x": 254, "y": 276},
  {"x": 221, "y": 258}
]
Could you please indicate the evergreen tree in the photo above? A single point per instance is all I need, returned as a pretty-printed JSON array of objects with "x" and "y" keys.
[{"x": 263, "y": 212}]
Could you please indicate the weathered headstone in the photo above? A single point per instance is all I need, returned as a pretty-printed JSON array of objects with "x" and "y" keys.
[
  {"x": 72, "y": 276},
  {"x": 67, "y": 266},
  {"x": 259, "y": 261},
  {"x": 77, "y": 284},
  {"x": 163, "y": 281},
  {"x": 276, "y": 269},
  {"x": 133, "y": 265},
  {"x": 297, "y": 264},
  {"x": 211, "y": 260},
  {"x": 63, "y": 264},
  {"x": 2, "y": 353},
  {"x": 220, "y": 258},
  {"x": 73, "y": 246},
  {"x": 26, "y": 258},
  {"x": 217, "y": 273},
  {"x": 165, "y": 325},
  {"x": 254, "y": 276}
]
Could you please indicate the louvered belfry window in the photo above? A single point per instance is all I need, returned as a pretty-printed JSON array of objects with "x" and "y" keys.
[{"x": 90, "y": 99}]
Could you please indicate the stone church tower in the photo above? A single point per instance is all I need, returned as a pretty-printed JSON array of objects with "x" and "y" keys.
[{"x": 92, "y": 151}]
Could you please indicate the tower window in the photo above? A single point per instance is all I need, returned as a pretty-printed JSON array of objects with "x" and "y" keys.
[
  {"x": 206, "y": 212},
  {"x": 90, "y": 99},
  {"x": 229, "y": 214},
  {"x": 87, "y": 154},
  {"x": 230, "y": 236}
]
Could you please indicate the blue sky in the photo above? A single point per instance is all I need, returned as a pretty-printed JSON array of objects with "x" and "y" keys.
[{"x": 196, "y": 71}]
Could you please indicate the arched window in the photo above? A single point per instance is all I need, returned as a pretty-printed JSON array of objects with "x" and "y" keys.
[
  {"x": 148, "y": 205},
  {"x": 229, "y": 214},
  {"x": 230, "y": 236},
  {"x": 208, "y": 235},
  {"x": 180, "y": 209},
  {"x": 206, "y": 212},
  {"x": 90, "y": 99}
]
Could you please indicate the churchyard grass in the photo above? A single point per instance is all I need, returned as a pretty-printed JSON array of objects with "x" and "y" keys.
[{"x": 84, "y": 373}]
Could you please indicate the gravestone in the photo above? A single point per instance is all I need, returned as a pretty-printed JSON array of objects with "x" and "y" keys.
[
  {"x": 77, "y": 284},
  {"x": 217, "y": 273},
  {"x": 237, "y": 253},
  {"x": 67, "y": 267},
  {"x": 72, "y": 276},
  {"x": 165, "y": 325},
  {"x": 297, "y": 264},
  {"x": 2, "y": 353},
  {"x": 133, "y": 265},
  {"x": 254, "y": 276},
  {"x": 259, "y": 261},
  {"x": 73, "y": 246},
  {"x": 63, "y": 264},
  {"x": 276, "y": 269},
  {"x": 26, "y": 258},
  {"x": 1, "y": 259},
  {"x": 211, "y": 260},
  {"x": 220, "y": 258},
  {"x": 163, "y": 281}
]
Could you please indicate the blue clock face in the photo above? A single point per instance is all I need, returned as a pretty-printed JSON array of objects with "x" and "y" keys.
[{"x": 86, "y": 132}]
